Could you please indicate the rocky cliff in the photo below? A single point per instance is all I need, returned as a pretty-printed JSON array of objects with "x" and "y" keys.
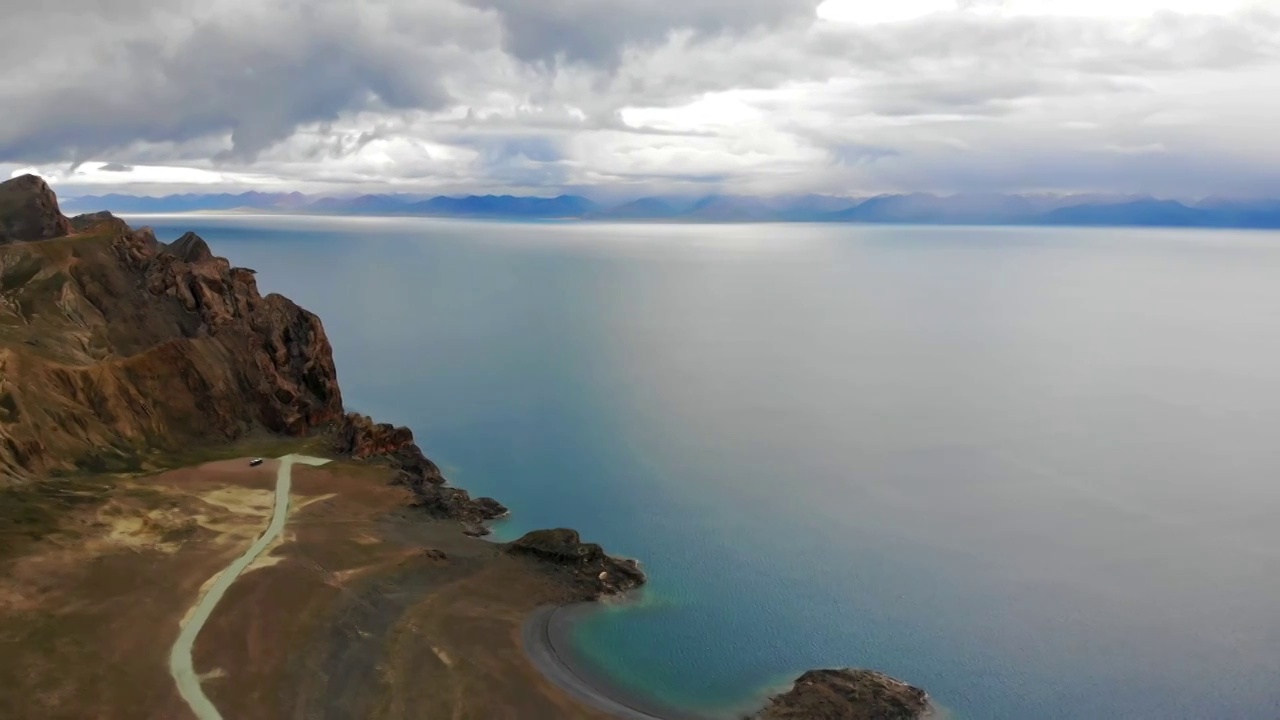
[
  {"x": 848, "y": 694},
  {"x": 112, "y": 342},
  {"x": 360, "y": 437}
]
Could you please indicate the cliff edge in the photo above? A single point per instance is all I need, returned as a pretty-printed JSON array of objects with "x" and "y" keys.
[{"x": 112, "y": 342}]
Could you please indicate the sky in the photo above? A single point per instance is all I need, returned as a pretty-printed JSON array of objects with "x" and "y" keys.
[{"x": 1172, "y": 98}]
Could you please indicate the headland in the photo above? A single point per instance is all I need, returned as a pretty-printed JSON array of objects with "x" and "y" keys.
[{"x": 137, "y": 378}]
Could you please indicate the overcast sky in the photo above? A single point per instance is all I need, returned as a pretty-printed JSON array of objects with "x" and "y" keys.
[{"x": 1176, "y": 98}]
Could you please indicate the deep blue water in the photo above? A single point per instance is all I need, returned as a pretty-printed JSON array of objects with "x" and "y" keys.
[{"x": 1034, "y": 471}]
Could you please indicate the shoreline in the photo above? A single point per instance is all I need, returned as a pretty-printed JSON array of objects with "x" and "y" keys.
[
  {"x": 546, "y": 644},
  {"x": 273, "y": 372}
]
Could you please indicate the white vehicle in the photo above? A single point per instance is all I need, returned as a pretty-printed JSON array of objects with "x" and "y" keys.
[{"x": 255, "y": 462}]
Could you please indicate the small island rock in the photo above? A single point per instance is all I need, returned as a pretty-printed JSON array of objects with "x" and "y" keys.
[{"x": 848, "y": 694}]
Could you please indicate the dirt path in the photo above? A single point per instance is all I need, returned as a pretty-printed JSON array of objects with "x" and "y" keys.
[{"x": 180, "y": 663}]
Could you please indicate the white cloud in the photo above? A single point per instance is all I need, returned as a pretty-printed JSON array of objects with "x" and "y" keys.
[
  {"x": 724, "y": 95},
  {"x": 873, "y": 12},
  {"x": 1136, "y": 149},
  {"x": 720, "y": 111},
  {"x": 880, "y": 11},
  {"x": 101, "y": 174},
  {"x": 1116, "y": 8}
]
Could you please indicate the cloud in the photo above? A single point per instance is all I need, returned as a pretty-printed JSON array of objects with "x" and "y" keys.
[
  {"x": 246, "y": 73},
  {"x": 1136, "y": 149},
  {"x": 598, "y": 31},
  {"x": 725, "y": 95}
]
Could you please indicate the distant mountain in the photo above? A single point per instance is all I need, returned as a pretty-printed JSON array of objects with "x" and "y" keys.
[
  {"x": 123, "y": 204},
  {"x": 645, "y": 208},
  {"x": 720, "y": 208},
  {"x": 808, "y": 207},
  {"x": 362, "y": 205},
  {"x": 725, "y": 208},
  {"x": 921, "y": 208},
  {"x": 1093, "y": 210},
  {"x": 504, "y": 206},
  {"x": 1244, "y": 213},
  {"x": 1139, "y": 212},
  {"x": 952, "y": 209},
  {"x": 1169, "y": 213}
]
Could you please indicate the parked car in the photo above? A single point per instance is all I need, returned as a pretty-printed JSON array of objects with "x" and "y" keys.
[{"x": 255, "y": 462}]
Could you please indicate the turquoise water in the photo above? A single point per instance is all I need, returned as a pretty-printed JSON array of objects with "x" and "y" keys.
[{"x": 1033, "y": 471}]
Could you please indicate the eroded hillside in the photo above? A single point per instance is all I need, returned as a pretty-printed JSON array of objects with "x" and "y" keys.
[{"x": 112, "y": 342}]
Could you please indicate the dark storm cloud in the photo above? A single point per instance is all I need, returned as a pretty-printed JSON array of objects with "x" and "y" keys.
[
  {"x": 251, "y": 73},
  {"x": 597, "y": 31}
]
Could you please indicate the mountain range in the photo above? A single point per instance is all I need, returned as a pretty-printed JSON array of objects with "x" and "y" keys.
[{"x": 914, "y": 208}]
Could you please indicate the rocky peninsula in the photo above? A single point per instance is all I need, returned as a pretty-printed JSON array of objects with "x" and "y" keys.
[{"x": 121, "y": 357}]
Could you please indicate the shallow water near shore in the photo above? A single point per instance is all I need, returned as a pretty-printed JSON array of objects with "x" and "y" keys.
[{"x": 1029, "y": 470}]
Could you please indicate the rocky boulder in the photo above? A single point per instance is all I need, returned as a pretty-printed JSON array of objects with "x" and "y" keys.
[
  {"x": 848, "y": 694},
  {"x": 190, "y": 248},
  {"x": 29, "y": 211}
]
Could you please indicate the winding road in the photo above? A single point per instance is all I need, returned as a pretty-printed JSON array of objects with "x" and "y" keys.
[{"x": 180, "y": 663}]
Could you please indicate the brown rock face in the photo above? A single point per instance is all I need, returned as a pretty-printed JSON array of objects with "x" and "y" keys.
[
  {"x": 848, "y": 695},
  {"x": 362, "y": 438},
  {"x": 29, "y": 211},
  {"x": 585, "y": 566},
  {"x": 111, "y": 341}
]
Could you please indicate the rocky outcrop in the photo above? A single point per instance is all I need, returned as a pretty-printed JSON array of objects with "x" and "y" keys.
[
  {"x": 585, "y": 567},
  {"x": 29, "y": 211},
  {"x": 99, "y": 220},
  {"x": 445, "y": 501},
  {"x": 190, "y": 248},
  {"x": 848, "y": 695},
  {"x": 114, "y": 342},
  {"x": 360, "y": 437}
]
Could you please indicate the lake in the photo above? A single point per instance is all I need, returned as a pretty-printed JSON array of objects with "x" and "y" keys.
[{"x": 1033, "y": 471}]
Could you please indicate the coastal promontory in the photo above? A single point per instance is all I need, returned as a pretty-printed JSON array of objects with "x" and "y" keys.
[{"x": 152, "y": 401}]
